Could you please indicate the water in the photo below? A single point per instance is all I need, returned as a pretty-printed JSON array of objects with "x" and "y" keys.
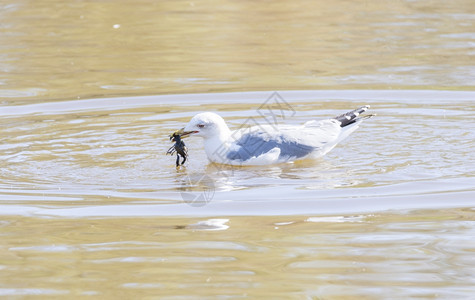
[
  {"x": 422, "y": 255},
  {"x": 90, "y": 205},
  {"x": 58, "y": 50},
  {"x": 106, "y": 157},
  {"x": 88, "y": 192}
]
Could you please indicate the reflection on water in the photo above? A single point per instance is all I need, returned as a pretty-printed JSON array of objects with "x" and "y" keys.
[
  {"x": 419, "y": 255},
  {"x": 58, "y": 50}
]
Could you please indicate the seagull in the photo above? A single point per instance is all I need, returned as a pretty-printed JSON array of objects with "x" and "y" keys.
[{"x": 268, "y": 144}]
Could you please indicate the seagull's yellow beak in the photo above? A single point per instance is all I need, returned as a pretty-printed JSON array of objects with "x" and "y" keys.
[{"x": 182, "y": 133}]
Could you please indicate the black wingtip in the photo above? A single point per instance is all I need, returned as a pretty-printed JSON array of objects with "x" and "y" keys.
[{"x": 351, "y": 116}]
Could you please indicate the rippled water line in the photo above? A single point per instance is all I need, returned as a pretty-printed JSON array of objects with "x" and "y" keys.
[
  {"x": 254, "y": 208},
  {"x": 195, "y": 100}
]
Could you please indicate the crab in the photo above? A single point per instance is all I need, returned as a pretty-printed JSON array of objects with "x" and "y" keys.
[{"x": 179, "y": 147}]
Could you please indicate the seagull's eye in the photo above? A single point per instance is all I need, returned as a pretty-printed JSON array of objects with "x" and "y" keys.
[{"x": 201, "y": 125}]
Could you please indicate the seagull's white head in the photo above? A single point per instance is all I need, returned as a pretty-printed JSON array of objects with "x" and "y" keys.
[{"x": 206, "y": 125}]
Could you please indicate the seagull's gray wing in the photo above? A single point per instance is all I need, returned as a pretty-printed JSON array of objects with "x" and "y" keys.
[{"x": 252, "y": 145}]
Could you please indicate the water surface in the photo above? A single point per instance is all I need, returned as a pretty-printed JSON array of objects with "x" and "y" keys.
[
  {"x": 90, "y": 206},
  {"x": 56, "y": 50},
  {"x": 422, "y": 255},
  {"x": 107, "y": 157}
]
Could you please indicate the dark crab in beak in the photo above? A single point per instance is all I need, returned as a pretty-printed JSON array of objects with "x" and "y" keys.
[{"x": 179, "y": 147}]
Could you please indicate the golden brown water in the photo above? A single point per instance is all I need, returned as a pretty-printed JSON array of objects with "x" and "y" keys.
[
  {"x": 420, "y": 255},
  {"x": 90, "y": 207},
  {"x": 65, "y": 50}
]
